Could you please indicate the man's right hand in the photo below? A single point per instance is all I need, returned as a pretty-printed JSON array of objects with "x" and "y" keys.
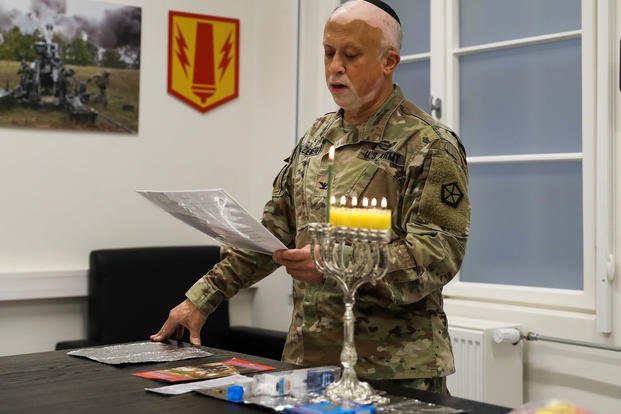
[{"x": 184, "y": 315}]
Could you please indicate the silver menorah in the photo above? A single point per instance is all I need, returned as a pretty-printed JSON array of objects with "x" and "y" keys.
[{"x": 352, "y": 257}]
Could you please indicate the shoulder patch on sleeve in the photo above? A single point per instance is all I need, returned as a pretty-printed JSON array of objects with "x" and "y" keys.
[
  {"x": 451, "y": 194},
  {"x": 444, "y": 200}
]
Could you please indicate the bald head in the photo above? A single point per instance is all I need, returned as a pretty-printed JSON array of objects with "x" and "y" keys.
[
  {"x": 373, "y": 16},
  {"x": 360, "y": 56}
]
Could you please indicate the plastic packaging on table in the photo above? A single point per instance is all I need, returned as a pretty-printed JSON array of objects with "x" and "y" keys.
[
  {"x": 404, "y": 405},
  {"x": 301, "y": 391},
  {"x": 278, "y": 390},
  {"x": 231, "y": 392},
  {"x": 280, "y": 403},
  {"x": 222, "y": 382},
  {"x": 552, "y": 406},
  {"x": 296, "y": 382}
]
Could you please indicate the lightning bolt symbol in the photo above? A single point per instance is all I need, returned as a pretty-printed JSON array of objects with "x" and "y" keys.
[
  {"x": 226, "y": 59},
  {"x": 181, "y": 48}
]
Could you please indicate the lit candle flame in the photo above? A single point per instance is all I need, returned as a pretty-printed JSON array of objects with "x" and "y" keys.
[
  {"x": 343, "y": 201},
  {"x": 365, "y": 202},
  {"x": 384, "y": 202},
  {"x": 373, "y": 202},
  {"x": 332, "y": 200},
  {"x": 354, "y": 201}
]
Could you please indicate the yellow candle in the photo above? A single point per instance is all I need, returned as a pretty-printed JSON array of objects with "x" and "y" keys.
[
  {"x": 369, "y": 214},
  {"x": 344, "y": 215},
  {"x": 336, "y": 216},
  {"x": 365, "y": 215},
  {"x": 361, "y": 217},
  {"x": 384, "y": 221},
  {"x": 339, "y": 216},
  {"x": 355, "y": 213}
]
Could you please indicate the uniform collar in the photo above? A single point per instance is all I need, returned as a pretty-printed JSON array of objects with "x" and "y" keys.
[{"x": 373, "y": 129}]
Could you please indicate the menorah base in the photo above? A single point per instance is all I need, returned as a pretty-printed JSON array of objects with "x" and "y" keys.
[{"x": 351, "y": 389}]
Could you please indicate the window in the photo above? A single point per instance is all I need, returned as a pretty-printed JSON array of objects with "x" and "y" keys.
[
  {"x": 517, "y": 83},
  {"x": 413, "y": 72}
]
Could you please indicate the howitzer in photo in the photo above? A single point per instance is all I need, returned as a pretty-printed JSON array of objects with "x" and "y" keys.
[{"x": 69, "y": 64}]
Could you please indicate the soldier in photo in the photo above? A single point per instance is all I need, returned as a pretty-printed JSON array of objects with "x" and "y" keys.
[
  {"x": 25, "y": 72},
  {"x": 102, "y": 81},
  {"x": 385, "y": 147},
  {"x": 26, "y": 77}
]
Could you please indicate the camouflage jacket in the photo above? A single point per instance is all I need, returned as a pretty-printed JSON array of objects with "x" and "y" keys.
[{"x": 402, "y": 154}]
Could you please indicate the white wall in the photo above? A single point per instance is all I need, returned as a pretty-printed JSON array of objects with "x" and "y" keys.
[{"x": 65, "y": 193}]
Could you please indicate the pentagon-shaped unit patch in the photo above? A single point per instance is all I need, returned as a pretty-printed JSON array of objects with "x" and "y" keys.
[{"x": 451, "y": 194}]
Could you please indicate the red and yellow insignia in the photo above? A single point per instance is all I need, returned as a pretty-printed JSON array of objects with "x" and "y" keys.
[{"x": 203, "y": 59}]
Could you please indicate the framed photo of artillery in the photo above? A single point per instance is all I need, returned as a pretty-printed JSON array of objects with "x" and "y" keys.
[{"x": 70, "y": 64}]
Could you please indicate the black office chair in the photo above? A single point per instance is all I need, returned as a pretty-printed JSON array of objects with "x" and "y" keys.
[{"x": 131, "y": 291}]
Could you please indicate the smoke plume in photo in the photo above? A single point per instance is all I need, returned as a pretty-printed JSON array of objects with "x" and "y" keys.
[{"x": 118, "y": 28}]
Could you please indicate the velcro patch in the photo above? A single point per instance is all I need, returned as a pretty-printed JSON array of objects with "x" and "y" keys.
[
  {"x": 444, "y": 200},
  {"x": 310, "y": 151},
  {"x": 385, "y": 145}
]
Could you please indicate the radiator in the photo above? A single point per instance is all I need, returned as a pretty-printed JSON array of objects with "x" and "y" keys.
[{"x": 484, "y": 370}]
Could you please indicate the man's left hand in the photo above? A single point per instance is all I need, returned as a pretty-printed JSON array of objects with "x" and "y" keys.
[{"x": 299, "y": 264}]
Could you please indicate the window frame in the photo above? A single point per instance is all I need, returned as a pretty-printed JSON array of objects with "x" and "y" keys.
[{"x": 445, "y": 54}]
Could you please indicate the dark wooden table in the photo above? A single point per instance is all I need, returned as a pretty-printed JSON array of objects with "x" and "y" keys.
[{"x": 54, "y": 382}]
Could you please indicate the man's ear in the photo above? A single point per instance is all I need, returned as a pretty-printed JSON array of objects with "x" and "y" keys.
[{"x": 391, "y": 60}]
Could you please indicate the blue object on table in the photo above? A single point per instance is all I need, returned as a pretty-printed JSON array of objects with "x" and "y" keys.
[{"x": 235, "y": 393}]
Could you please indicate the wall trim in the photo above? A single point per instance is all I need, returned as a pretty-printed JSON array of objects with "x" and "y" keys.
[{"x": 43, "y": 284}]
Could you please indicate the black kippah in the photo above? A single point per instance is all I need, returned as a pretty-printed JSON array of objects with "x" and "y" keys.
[{"x": 386, "y": 8}]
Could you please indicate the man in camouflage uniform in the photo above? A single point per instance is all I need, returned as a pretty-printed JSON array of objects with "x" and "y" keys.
[{"x": 385, "y": 147}]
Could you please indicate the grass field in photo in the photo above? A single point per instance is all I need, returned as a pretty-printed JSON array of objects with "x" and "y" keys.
[{"x": 122, "y": 107}]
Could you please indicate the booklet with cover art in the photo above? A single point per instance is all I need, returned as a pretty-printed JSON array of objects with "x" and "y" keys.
[{"x": 210, "y": 370}]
